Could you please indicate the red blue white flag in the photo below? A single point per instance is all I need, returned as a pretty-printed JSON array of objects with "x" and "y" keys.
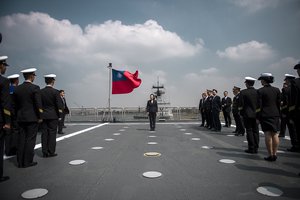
[{"x": 124, "y": 82}]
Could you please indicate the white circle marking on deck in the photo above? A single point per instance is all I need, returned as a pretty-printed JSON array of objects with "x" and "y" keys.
[
  {"x": 152, "y": 142},
  {"x": 125, "y": 127},
  {"x": 269, "y": 191},
  {"x": 122, "y": 130},
  {"x": 34, "y": 193},
  {"x": 152, "y": 174},
  {"x": 96, "y": 148},
  {"x": 109, "y": 139},
  {"x": 206, "y": 147},
  {"x": 280, "y": 151},
  {"x": 117, "y": 134},
  {"x": 188, "y": 133},
  {"x": 245, "y": 141},
  {"x": 76, "y": 162},
  {"x": 182, "y": 129},
  {"x": 230, "y": 135},
  {"x": 152, "y": 154},
  {"x": 195, "y": 139},
  {"x": 227, "y": 161},
  {"x": 152, "y": 136}
]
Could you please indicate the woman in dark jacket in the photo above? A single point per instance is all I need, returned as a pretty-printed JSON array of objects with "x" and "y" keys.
[
  {"x": 152, "y": 110},
  {"x": 269, "y": 114}
]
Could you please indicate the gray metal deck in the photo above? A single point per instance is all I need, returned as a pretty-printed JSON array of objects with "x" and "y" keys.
[{"x": 188, "y": 171}]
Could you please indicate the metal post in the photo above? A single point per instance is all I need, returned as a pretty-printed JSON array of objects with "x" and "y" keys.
[{"x": 109, "y": 92}]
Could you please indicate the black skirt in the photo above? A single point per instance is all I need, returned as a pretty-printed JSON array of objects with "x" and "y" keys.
[{"x": 270, "y": 124}]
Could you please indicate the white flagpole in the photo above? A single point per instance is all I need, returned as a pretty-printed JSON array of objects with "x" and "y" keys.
[{"x": 109, "y": 92}]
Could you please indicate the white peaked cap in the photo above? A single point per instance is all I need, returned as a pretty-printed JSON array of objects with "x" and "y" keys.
[
  {"x": 13, "y": 76},
  {"x": 289, "y": 76},
  {"x": 50, "y": 76},
  {"x": 30, "y": 70},
  {"x": 248, "y": 78},
  {"x": 266, "y": 75},
  {"x": 3, "y": 58}
]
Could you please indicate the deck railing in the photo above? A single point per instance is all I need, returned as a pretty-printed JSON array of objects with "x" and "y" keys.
[{"x": 127, "y": 114}]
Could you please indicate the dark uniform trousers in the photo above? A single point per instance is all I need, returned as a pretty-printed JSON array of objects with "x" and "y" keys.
[
  {"x": 252, "y": 133},
  {"x": 152, "y": 118},
  {"x": 26, "y": 144},
  {"x": 11, "y": 139},
  {"x": 240, "y": 129},
  {"x": 49, "y": 130},
  {"x": 2, "y": 138},
  {"x": 216, "y": 124}
]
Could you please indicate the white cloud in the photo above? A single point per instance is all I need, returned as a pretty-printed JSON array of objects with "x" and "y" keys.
[
  {"x": 79, "y": 56},
  {"x": 61, "y": 40},
  {"x": 255, "y": 5},
  {"x": 250, "y": 51}
]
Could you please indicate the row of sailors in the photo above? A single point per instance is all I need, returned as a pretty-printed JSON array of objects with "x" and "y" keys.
[
  {"x": 25, "y": 108},
  {"x": 250, "y": 107}
]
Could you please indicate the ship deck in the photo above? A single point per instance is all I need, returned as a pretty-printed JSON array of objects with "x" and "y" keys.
[{"x": 188, "y": 170}]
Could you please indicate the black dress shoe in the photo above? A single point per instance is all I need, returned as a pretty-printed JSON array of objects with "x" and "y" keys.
[
  {"x": 52, "y": 155},
  {"x": 225, "y": 126},
  {"x": 61, "y": 133},
  {"x": 201, "y": 125},
  {"x": 4, "y": 178},
  {"x": 30, "y": 165},
  {"x": 281, "y": 135},
  {"x": 64, "y": 126},
  {"x": 271, "y": 158},
  {"x": 250, "y": 151}
]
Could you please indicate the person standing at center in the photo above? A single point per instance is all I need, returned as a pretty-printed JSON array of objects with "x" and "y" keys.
[
  {"x": 53, "y": 111},
  {"x": 152, "y": 109},
  {"x": 28, "y": 106}
]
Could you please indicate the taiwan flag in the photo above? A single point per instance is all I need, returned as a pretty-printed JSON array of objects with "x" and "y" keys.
[{"x": 124, "y": 82}]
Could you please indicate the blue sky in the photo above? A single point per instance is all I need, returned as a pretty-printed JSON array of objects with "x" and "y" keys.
[{"x": 191, "y": 45}]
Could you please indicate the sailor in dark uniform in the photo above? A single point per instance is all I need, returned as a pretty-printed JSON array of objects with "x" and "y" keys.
[
  {"x": 216, "y": 108},
  {"x": 283, "y": 109},
  {"x": 202, "y": 109},
  {"x": 152, "y": 109},
  {"x": 11, "y": 140},
  {"x": 53, "y": 110},
  {"x": 226, "y": 108},
  {"x": 248, "y": 105},
  {"x": 269, "y": 114},
  {"x": 294, "y": 103},
  {"x": 28, "y": 107},
  {"x": 240, "y": 129},
  {"x": 208, "y": 109},
  {"x": 286, "y": 120},
  {"x": 5, "y": 113}
]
